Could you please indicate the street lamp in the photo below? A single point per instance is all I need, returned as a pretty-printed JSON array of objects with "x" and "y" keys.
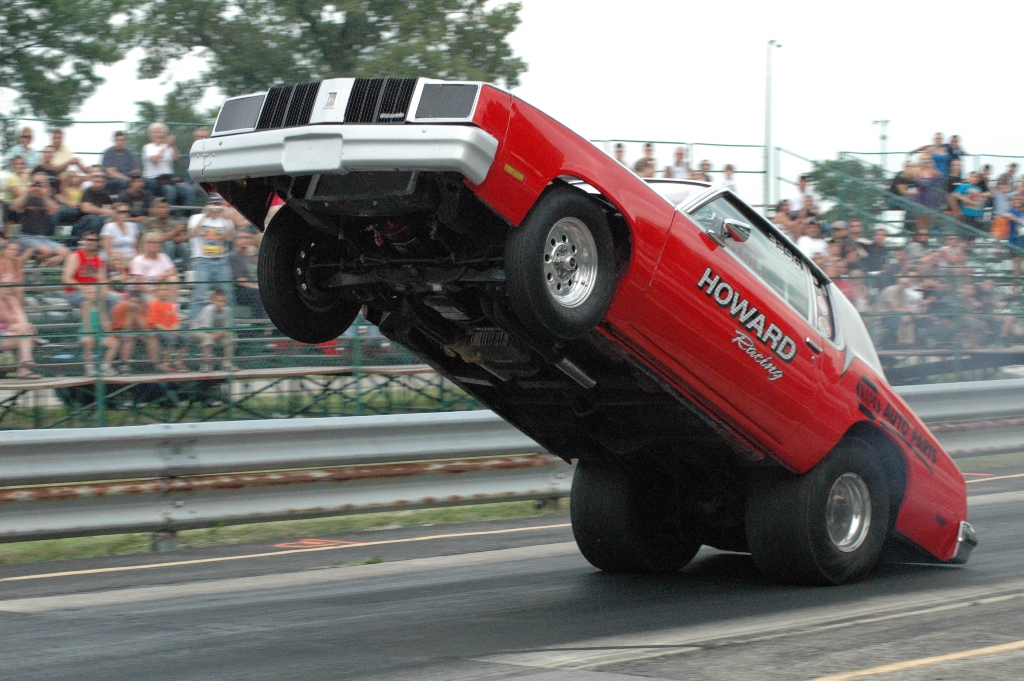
[
  {"x": 768, "y": 122},
  {"x": 884, "y": 127}
]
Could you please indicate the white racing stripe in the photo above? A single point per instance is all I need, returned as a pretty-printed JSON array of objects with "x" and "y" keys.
[
  {"x": 597, "y": 653},
  {"x": 285, "y": 580}
]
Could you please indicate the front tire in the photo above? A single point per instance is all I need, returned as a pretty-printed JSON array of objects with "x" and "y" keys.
[
  {"x": 292, "y": 291},
  {"x": 560, "y": 265},
  {"x": 623, "y": 526},
  {"x": 827, "y": 526}
]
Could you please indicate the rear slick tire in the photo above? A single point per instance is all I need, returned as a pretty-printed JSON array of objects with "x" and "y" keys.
[
  {"x": 621, "y": 527},
  {"x": 827, "y": 526},
  {"x": 291, "y": 290}
]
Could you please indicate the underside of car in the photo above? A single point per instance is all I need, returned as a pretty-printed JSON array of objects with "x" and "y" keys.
[{"x": 429, "y": 264}]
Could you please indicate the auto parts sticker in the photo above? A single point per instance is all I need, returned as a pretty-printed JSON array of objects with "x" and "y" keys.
[
  {"x": 877, "y": 409},
  {"x": 748, "y": 316}
]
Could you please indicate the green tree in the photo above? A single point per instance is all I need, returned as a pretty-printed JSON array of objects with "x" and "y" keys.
[
  {"x": 49, "y": 50},
  {"x": 857, "y": 189},
  {"x": 253, "y": 44}
]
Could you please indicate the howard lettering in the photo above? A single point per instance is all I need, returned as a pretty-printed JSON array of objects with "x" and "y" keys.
[{"x": 747, "y": 315}]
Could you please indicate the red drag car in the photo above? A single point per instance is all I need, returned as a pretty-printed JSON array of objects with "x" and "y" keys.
[{"x": 713, "y": 384}]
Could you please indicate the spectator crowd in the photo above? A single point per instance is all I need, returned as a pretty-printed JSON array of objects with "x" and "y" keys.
[
  {"x": 928, "y": 285},
  {"x": 132, "y": 253}
]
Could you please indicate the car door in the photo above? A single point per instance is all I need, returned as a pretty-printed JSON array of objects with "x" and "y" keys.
[{"x": 732, "y": 317}]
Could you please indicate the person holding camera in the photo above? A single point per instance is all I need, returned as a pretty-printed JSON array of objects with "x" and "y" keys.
[
  {"x": 36, "y": 210},
  {"x": 211, "y": 233}
]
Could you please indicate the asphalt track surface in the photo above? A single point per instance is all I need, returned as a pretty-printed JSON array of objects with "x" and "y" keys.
[{"x": 513, "y": 600}]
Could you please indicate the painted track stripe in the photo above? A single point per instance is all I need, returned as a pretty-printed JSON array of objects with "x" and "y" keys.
[
  {"x": 272, "y": 554},
  {"x": 1001, "y": 477},
  {"x": 925, "y": 661}
]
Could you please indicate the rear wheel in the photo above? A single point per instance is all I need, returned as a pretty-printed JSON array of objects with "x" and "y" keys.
[
  {"x": 827, "y": 526},
  {"x": 625, "y": 526},
  {"x": 559, "y": 265},
  {"x": 292, "y": 286}
]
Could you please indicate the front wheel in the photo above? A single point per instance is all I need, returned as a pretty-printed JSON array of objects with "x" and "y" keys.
[
  {"x": 560, "y": 265},
  {"x": 827, "y": 526},
  {"x": 291, "y": 281}
]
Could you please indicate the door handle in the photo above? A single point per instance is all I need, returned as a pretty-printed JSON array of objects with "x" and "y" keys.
[{"x": 813, "y": 346}]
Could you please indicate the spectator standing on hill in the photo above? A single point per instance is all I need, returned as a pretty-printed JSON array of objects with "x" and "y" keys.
[
  {"x": 37, "y": 211},
  {"x": 243, "y": 272},
  {"x": 96, "y": 326},
  {"x": 971, "y": 200},
  {"x": 120, "y": 234},
  {"x": 680, "y": 168},
  {"x": 938, "y": 152},
  {"x": 171, "y": 233},
  {"x": 210, "y": 234},
  {"x": 23, "y": 148},
  {"x": 119, "y": 163},
  {"x": 646, "y": 165},
  {"x": 151, "y": 267},
  {"x": 930, "y": 192},
  {"x": 213, "y": 328},
  {"x": 163, "y": 315},
  {"x": 97, "y": 206},
  {"x": 85, "y": 268}
]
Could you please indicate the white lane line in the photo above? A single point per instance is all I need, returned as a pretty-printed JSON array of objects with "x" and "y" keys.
[
  {"x": 995, "y": 498},
  {"x": 597, "y": 653},
  {"x": 990, "y": 479},
  {"x": 276, "y": 554},
  {"x": 285, "y": 580}
]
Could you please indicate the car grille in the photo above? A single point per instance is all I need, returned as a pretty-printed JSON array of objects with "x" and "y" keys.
[
  {"x": 379, "y": 100},
  {"x": 288, "y": 106}
]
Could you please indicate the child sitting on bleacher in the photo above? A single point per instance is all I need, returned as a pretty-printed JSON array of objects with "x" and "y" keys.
[
  {"x": 163, "y": 315},
  {"x": 94, "y": 326},
  {"x": 212, "y": 327}
]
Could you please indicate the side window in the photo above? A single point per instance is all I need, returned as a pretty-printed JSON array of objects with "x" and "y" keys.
[
  {"x": 823, "y": 320},
  {"x": 773, "y": 261}
]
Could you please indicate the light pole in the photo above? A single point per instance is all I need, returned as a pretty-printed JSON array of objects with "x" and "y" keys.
[
  {"x": 883, "y": 129},
  {"x": 768, "y": 122}
]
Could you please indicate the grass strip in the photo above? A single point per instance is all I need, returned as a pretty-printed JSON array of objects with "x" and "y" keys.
[{"x": 126, "y": 544}]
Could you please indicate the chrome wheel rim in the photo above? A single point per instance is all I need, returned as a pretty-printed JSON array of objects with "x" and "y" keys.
[
  {"x": 848, "y": 512},
  {"x": 570, "y": 262}
]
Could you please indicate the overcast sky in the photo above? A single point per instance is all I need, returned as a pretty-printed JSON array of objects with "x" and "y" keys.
[{"x": 695, "y": 72}]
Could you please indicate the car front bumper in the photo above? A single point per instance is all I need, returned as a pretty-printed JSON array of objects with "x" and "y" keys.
[
  {"x": 313, "y": 149},
  {"x": 966, "y": 540}
]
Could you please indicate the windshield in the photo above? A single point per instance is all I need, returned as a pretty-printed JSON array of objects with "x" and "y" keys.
[{"x": 676, "y": 193}]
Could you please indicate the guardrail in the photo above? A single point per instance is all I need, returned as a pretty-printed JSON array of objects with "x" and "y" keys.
[{"x": 166, "y": 478}]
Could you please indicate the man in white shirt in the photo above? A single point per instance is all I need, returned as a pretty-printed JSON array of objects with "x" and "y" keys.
[
  {"x": 680, "y": 168},
  {"x": 797, "y": 200},
  {"x": 811, "y": 243},
  {"x": 158, "y": 159}
]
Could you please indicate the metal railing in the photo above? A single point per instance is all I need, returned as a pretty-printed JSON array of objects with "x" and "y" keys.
[{"x": 175, "y": 477}]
